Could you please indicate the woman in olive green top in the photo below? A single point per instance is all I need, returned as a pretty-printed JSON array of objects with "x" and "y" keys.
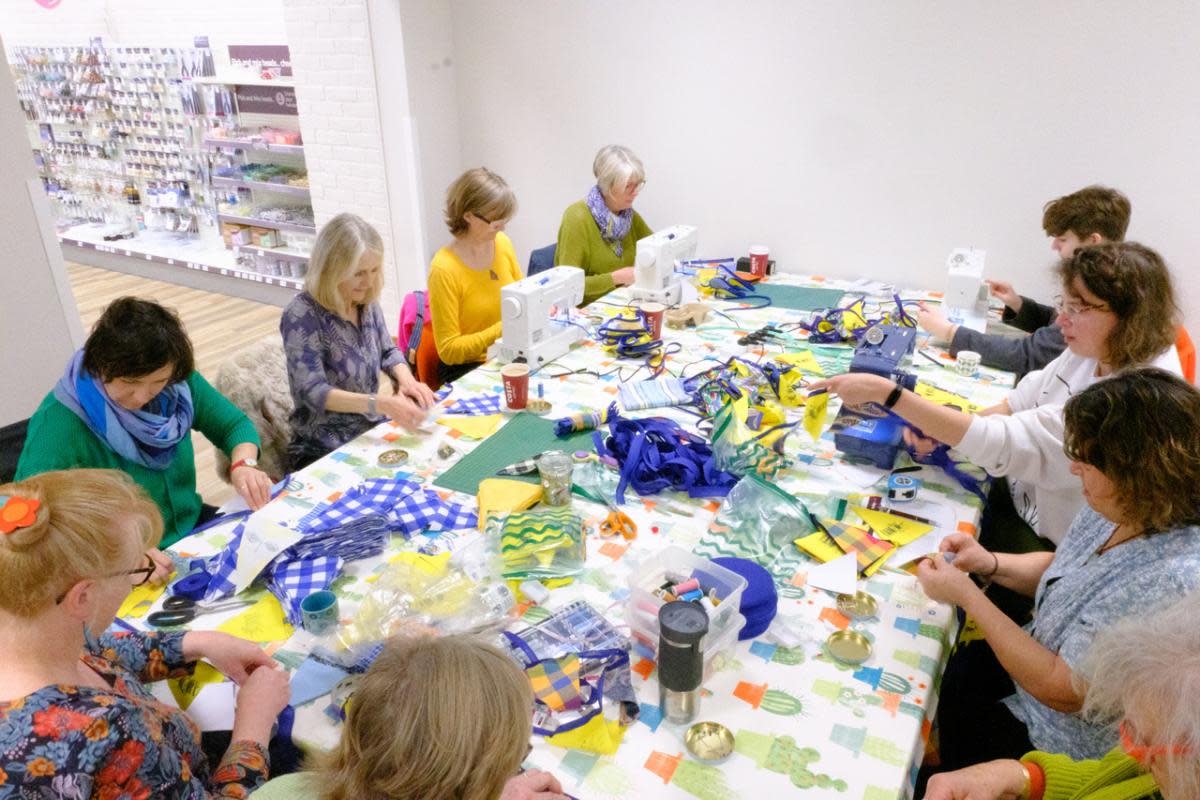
[
  {"x": 129, "y": 401},
  {"x": 599, "y": 234},
  {"x": 1144, "y": 670}
]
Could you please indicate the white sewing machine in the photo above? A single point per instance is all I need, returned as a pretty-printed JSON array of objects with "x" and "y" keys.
[
  {"x": 966, "y": 300},
  {"x": 529, "y": 332},
  {"x": 654, "y": 265}
]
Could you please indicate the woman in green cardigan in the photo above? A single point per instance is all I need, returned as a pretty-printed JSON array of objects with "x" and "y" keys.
[
  {"x": 1144, "y": 671},
  {"x": 129, "y": 401},
  {"x": 599, "y": 234}
]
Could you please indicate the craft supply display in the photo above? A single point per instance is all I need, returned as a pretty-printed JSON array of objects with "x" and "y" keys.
[{"x": 709, "y": 597}]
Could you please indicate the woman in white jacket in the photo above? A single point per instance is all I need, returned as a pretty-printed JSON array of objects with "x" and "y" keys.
[{"x": 1117, "y": 310}]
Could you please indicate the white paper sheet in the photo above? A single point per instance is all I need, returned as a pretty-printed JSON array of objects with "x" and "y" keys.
[{"x": 839, "y": 575}]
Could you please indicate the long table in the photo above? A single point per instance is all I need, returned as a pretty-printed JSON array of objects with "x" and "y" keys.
[{"x": 801, "y": 719}]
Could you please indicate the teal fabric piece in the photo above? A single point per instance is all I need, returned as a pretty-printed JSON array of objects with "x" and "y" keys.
[{"x": 800, "y": 298}]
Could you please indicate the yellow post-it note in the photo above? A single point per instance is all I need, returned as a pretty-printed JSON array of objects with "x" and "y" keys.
[
  {"x": 820, "y": 546},
  {"x": 472, "y": 427},
  {"x": 184, "y": 690},
  {"x": 897, "y": 530},
  {"x": 262, "y": 622},
  {"x": 433, "y": 566},
  {"x": 140, "y": 600},
  {"x": 803, "y": 360},
  {"x": 944, "y": 398},
  {"x": 814, "y": 413},
  {"x": 499, "y": 495}
]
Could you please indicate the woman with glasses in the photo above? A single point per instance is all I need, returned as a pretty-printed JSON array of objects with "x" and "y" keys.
[
  {"x": 337, "y": 342},
  {"x": 600, "y": 233},
  {"x": 466, "y": 275},
  {"x": 129, "y": 400},
  {"x": 1144, "y": 671},
  {"x": 445, "y": 717},
  {"x": 75, "y": 718},
  {"x": 1117, "y": 310},
  {"x": 1132, "y": 445}
]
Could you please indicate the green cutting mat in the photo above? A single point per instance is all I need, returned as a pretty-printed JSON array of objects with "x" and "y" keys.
[
  {"x": 801, "y": 298},
  {"x": 524, "y": 436}
]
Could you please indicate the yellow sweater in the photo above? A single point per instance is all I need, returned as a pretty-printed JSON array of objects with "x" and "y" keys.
[{"x": 465, "y": 302}]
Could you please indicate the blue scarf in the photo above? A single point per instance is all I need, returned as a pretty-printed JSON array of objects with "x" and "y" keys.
[
  {"x": 147, "y": 436},
  {"x": 613, "y": 227}
]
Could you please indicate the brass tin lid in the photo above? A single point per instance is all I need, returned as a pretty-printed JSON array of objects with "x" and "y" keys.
[
  {"x": 537, "y": 405},
  {"x": 859, "y": 605},
  {"x": 709, "y": 741},
  {"x": 849, "y": 647},
  {"x": 390, "y": 458}
]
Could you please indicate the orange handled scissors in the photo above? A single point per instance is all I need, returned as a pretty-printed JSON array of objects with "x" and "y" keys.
[{"x": 618, "y": 522}]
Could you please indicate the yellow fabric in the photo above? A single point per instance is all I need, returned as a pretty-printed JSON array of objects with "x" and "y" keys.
[
  {"x": 261, "y": 622},
  {"x": 820, "y": 546},
  {"x": 472, "y": 427},
  {"x": 465, "y": 302},
  {"x": 897, "y": 530},
  {"x": 498, "y": 495},
  {"x": 597, "y": 735}
]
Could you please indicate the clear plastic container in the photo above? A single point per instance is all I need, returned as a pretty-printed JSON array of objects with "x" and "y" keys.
[
  {"x": 676, "y": 565},
  {"x": 717, "y": 649}
]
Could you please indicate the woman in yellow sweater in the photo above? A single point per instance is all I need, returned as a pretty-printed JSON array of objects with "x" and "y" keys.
[{"x": 467, "y": 274}]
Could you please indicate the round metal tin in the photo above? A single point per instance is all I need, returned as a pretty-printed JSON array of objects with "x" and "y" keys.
[
  {"x": 537, "y": 405},
  {"x": 709, "y": 741},
  {"x": 859, "y": 605},
  {"x": 390, "y": 458},
  {"x": 849, "y": 647}
]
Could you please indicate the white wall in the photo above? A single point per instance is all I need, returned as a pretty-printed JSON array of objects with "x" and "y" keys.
[
  {"x": 864, "y": 138},
  {"x": 39, "y": 323}
]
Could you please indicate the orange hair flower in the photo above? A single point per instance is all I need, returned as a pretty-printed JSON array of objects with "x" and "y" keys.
[{"x": 17, "y": 512}]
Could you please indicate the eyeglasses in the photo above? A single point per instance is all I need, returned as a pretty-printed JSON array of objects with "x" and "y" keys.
[
  {"x": 1144, "y": 752},
  {"x": 1074, "y": 309},
  {"x": 634, "y": 188},
  {"x": 486, "y": 221},
  {"x": 138, "y": 577}
]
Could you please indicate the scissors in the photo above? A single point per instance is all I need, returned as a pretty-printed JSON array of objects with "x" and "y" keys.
[
  {"x": 180, "y": 611},
  {"x": 617, "y": 522}
]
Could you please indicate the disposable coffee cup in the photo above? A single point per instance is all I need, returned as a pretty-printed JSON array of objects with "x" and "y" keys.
[
  {"x": 516, "y": 385},
  {"x": 653, "y": 312},
  {"x": 760, "y": 254}
]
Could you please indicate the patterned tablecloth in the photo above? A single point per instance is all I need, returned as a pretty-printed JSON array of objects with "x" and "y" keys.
[{"x": 803, "y": 722}]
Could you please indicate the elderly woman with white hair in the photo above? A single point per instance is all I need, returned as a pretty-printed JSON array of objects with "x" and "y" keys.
[
  {"x": 337, "y": 342},
  {"x": 1145, "y": 672},
  {"x": 599, "y": 233}
]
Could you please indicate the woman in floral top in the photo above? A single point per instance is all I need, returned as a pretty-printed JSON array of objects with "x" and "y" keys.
[
  {"x": 337, "y": 342},
  {"x": 75, "y": 719}
]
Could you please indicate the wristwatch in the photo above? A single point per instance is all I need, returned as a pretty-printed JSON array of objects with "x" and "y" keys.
[
  {"x": 894, "y": 397},
  {"x": 371, "y": 405},
  {"x": 244, "y": 462}
]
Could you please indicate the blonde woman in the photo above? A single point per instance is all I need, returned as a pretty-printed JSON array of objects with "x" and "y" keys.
[
  {"x": 75, "y": 719},
  {"x": 600, "y": 232},
  {"x": 467, "y": 274},
  {"x": 444, "y": 717},
  {"x": 337, "y": 342}
]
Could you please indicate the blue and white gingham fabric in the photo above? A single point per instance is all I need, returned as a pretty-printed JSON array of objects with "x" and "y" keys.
[
  {"x": 408, "y": 507},
  {"x": 222, "y": 565},
  {"x": 293, "y": 579},
  {"x": 444, "y": 392},
  {"x": 476, "y": 406}
]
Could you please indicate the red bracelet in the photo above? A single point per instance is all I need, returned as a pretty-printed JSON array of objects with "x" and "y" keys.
[{"x": 1037, "y": 780}]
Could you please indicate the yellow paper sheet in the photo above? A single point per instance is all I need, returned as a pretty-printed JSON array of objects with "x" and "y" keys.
[
  {"x": 803, "y": 360},
  {"x": 184, "y": 690},
  {"x": 140, "y": 600},
  {"x": 472, "y": 427},
  {"x": 814, "y": 414},
  {"x": 262, "y": 622},
  {"x": 897, "y": 530},
  {"x": 819, "y": 546},
  {"x": 498, "y": 495},
  {"x": 944, "y": 398}
]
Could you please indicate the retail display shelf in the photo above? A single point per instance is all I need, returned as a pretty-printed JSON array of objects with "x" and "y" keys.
[
  {"x": 118, "y": 248},
  {"x": 251, "y": 144},
  {"x": 264, "y": 223},
  {"x": 273, "y": 187},
  {"x": 245, "y": 80},
  {"x": 290, "y": 255}
]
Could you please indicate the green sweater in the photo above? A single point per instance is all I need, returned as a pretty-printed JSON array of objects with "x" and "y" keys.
[
  {"x": 580, "y": 245},
  {"x": 1114, "y": 777},
  {"x": 58, "y": 439}
]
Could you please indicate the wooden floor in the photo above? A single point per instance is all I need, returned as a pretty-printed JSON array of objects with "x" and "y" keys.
[{"x": 217, "y": 324}]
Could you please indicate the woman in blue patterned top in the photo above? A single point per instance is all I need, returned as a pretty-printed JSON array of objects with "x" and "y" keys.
[
  {"x": 1132, "y": 441},
  {"x": 337, "y": 342},
  {"x": 75, "y": 719}
]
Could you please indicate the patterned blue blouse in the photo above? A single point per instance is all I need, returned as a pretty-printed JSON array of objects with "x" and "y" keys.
[
  {"x": 326, "y": 352},
  {"x": 1082, "y": 592},
  {"x": 81, "y": 742}
]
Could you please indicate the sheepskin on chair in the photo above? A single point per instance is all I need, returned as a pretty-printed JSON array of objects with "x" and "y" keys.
[{"x": 256, "y": 381}]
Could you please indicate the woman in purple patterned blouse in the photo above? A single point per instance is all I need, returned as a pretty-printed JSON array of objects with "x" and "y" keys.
[
  {"x": 75, "y": 719},
  {"x": 337, "y": 342}
]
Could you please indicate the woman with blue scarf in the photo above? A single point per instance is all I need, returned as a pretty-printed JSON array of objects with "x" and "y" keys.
[
  {"x": 599, "y": 234},
  {"x": 129, "y": 401}
]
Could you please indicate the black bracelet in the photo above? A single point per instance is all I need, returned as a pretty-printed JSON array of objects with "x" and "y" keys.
[{"x": 894, "y": 397}]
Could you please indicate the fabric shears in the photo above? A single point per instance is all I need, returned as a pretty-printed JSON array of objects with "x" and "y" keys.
[{"x": 181, "y": 610}]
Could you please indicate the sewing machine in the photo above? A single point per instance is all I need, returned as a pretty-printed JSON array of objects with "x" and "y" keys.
[
  {"x": 654, "y": 265},
  {"x": 966, "y": 300},
  {"x": 875, "y": 434},
  {"x": 529, "y": 331}
]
